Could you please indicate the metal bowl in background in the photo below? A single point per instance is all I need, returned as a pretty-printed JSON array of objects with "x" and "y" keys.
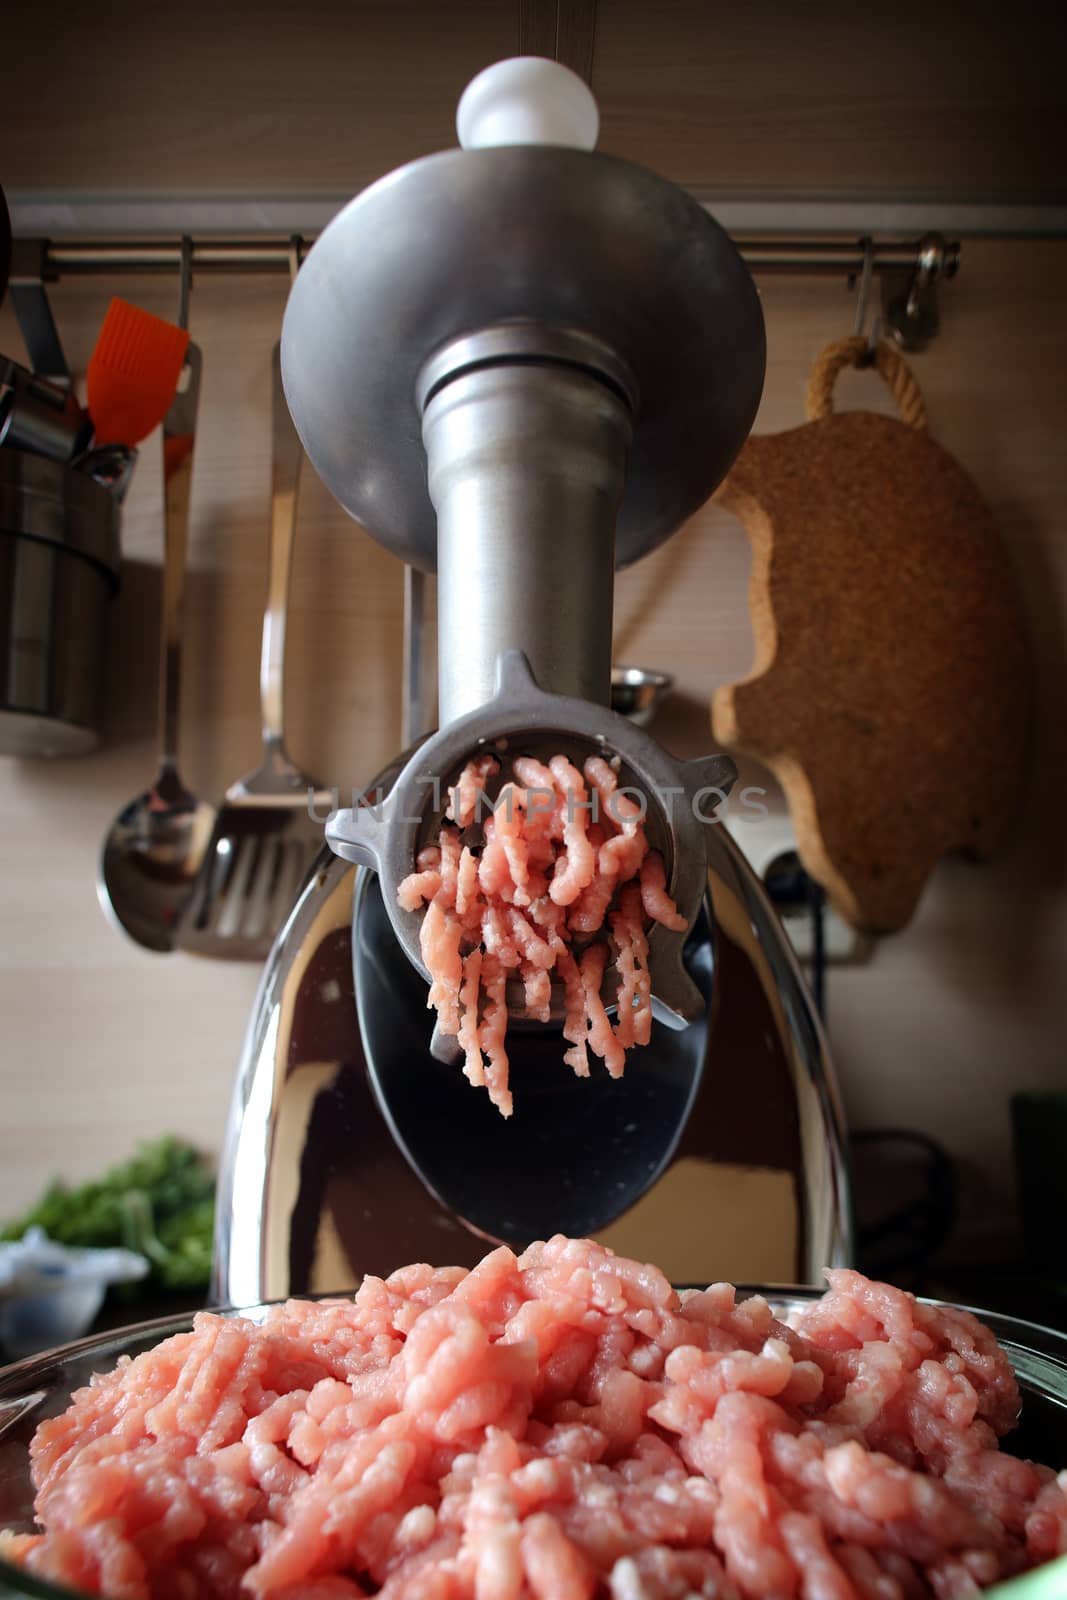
[
  {"x": 59, "y": 568},
  {"x": 42, "y": 1386},
  {"x": 636, "y": 692}
]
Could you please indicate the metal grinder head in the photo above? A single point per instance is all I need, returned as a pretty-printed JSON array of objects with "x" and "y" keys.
[{"x": 523, "y": 364}]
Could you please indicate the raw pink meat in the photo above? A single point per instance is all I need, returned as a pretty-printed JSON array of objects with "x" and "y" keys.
[
  {"x": 560, "y": 1426},
  {"x": 565, "y": 861},
  {"x": 622, "y": 853},
  {"x": 576, "y": 866},
  {"x": 464, "y": 799},
  {"x": 601, "y": 1037},
  {"x": 657, "y": 902},
  {"x": 635, "y": 995},
  {"x": 440, "y": 937},
  {"x": 474, "y": 1066}
]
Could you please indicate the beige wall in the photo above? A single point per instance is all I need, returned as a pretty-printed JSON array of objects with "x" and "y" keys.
[{"x": 101, "y": 1043}]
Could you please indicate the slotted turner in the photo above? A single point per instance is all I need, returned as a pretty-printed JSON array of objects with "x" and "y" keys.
[{"x": 265, "y": 838}]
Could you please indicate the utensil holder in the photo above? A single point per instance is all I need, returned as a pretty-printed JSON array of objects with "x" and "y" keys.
[{"x": 59, "y": 569}]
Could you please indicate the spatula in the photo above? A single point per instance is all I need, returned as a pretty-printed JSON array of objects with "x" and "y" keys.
[
  {"x": 265, "y": 838},
  {"x": 133, "y": 373}
]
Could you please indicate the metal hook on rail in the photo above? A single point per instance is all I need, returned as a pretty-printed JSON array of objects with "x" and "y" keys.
[
  {"x": 185, "y": 281},
  {"x": 862, "y": 300},
  {"x": 909, "y": 298},
  {"x": 29, "y": 300}
]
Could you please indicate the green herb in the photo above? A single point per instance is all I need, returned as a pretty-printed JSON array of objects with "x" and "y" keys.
[{"x": 161, "y": 1204}]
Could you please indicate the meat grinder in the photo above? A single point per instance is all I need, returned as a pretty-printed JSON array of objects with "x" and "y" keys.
[{"x": 522, "y": 364}]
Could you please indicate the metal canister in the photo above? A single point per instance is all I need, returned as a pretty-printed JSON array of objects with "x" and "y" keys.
[{"x": 59, "y": 569}]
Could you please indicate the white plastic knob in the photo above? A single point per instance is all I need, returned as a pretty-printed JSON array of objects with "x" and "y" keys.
[{"x": 527, "y": 100}]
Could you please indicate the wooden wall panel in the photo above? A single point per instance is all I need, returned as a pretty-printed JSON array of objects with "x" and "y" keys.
[
  {"x": 822, "y": 97},
  {"x": 243, "y": 94},
  {"x": 828, "y": 97}
]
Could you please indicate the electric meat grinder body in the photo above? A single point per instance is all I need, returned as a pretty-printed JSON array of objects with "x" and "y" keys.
[{"x": 523, "y": 364}]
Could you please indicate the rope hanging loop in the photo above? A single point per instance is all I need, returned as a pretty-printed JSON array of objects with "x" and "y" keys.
[{"x": 853, "y": 352}]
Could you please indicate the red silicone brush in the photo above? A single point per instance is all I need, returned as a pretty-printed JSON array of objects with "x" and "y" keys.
[{"x": 133, "y": 373}]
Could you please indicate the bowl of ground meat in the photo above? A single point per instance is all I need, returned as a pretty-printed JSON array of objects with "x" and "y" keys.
[{"x": 562, "y": 1424}]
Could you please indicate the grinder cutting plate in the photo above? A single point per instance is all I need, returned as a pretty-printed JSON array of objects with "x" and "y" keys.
[{"x": 680, "y": 796}]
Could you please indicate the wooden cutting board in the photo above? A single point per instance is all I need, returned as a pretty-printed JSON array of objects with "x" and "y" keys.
[{"x": 891, "y": 690}]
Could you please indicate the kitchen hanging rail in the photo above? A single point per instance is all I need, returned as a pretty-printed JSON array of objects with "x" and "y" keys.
[
  {"x": 60, "y": 258},
  {"x": 909, "y": 272}
]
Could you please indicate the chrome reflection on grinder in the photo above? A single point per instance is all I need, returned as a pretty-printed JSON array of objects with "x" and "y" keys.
[{"x": 316, "y": 1189}]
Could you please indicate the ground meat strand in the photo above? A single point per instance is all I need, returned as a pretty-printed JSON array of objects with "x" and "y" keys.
[
  {"x": 631, "y": 959},
  {"x": 565, "y": 861},
  {"x": 439, "y": 941},
  {"x": 558, "y": 1426},
  {"x": 624, "y": 850},
  {"x": 657, "y": 902},
  {"x": 464, "y": 797},
  {"x": 575, "y": 868},
  {"x": 474, "y": 1066}
]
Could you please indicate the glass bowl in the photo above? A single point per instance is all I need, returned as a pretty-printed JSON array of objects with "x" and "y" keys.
[{"x": 42, "y": 1386}]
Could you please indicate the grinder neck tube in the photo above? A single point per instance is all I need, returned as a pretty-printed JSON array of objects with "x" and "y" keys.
[{"x": 526, "y": 433}]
